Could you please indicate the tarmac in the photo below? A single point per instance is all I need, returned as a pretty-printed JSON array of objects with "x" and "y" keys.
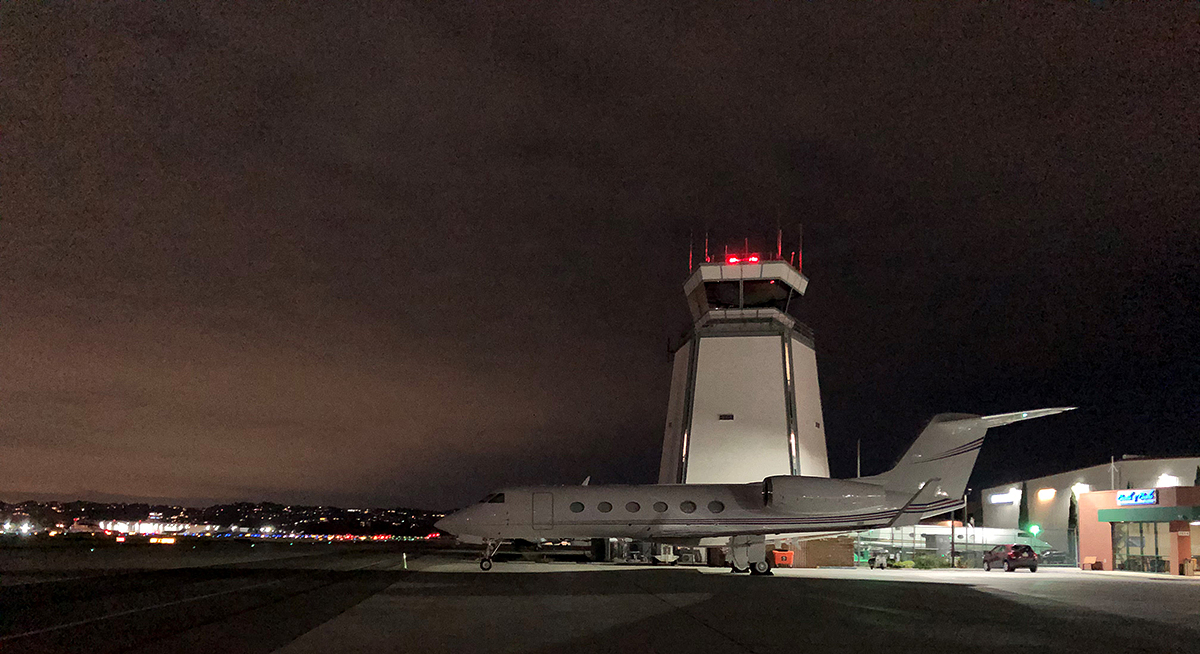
[{"x": 393, "y": 599}]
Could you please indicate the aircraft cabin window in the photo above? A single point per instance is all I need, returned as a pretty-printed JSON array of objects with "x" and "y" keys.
[
  {"x": 633, "y": 507},
  {"x": 688, "y": 506},
  {"x": 498, "y": 498},
  {"x": 604, "y": 507},
  {"x": 716, "y": 507},
  {"x": 661, "y": 507},
  {"x": 576, "y": 507}
]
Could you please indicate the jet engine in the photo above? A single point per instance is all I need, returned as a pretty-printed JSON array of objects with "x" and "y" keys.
[{"x": 819, "y": 495}]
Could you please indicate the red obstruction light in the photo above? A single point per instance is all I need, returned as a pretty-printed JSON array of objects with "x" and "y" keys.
[{"x": 750, "y": 259}]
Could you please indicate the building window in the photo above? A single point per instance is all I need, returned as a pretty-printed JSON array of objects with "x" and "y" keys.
[
  {"x": 1141, "y": 546},
  {"x": 661, "y": 507},
  {"x": 604, "y": 507},
  {"x": 576, "y": 507},
  {"x": 633, "y": 507},
  {"x": 688, "y": 507},
  {"x": 716, "y": 507}
]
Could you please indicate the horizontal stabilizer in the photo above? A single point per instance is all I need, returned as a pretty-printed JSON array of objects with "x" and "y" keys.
[{"x": 1009, "y": 418}]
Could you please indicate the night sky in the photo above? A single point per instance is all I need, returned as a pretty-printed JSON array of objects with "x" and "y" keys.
[{"x": 387, "y": 253}]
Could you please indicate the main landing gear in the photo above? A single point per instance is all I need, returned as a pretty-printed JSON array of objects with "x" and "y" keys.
[
  {"x": 490, "y": 547},
  {"x": 749, "y": 554}
]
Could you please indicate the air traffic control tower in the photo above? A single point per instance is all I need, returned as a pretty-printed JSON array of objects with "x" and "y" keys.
[{"x": 744, "y": 401}]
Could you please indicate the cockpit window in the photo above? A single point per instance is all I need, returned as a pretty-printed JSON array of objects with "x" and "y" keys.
[
  {"x": 498, "y": 498},
  {"x": 487, "y": 499}
]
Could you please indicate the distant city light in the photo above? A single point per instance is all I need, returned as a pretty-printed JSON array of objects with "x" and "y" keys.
[{"x": 1046, "y": 494}]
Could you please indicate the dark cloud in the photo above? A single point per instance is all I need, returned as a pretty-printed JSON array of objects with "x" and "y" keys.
[{"x": 385, "y": 252}]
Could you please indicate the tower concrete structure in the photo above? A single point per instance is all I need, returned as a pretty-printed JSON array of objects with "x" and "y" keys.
[{"x": 745, "y": 403}]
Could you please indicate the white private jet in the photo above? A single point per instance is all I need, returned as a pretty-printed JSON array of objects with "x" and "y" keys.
[{"x": 929, "y": 480}]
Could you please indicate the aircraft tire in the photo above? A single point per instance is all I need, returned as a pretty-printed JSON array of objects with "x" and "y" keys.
[
  {"x": 485, "y": 565},
  {"x": 760, "y": 568}
]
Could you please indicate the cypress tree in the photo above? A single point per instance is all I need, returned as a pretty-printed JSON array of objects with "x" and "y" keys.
[
  {"x": 1073, "y": 528},
  {"x": 1023, "y": 510},
  {"x": 1196, "y": 482}
]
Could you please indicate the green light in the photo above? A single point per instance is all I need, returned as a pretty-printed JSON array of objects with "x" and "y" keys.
[{"x": 1034, "y": 529}]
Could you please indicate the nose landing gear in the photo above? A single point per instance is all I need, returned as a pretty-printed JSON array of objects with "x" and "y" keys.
[{"x": 490, "y": 547}]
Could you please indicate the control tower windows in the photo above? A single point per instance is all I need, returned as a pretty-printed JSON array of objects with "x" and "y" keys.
[{"x": 747, "y": 294}]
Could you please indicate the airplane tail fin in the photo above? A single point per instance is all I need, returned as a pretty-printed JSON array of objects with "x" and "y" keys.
[{"x": 935, "y": 469}]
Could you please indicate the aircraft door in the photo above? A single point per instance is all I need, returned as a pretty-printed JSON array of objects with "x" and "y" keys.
[{"x": 543, "y": 510}]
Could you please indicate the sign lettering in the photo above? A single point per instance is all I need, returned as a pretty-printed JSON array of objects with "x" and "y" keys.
[{"x": 1147, "y": 496}]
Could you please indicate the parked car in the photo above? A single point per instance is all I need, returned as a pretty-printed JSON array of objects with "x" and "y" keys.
[
  {"x": 1011, "y": 557},
  {"x": 1052, "y": 557}
]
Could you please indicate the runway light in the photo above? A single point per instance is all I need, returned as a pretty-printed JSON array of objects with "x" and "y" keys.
[{"x": 1046, "y": 494}]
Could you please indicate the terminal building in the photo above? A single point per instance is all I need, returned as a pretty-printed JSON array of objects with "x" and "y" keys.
[{"x": 1130, "y": 514}]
